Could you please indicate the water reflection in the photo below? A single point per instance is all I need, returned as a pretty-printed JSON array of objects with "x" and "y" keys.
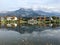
[
  {"x": 9, "y": 37},
  {"x": 27, "y": 28},
  {"x": 45, "y": 37},
  {"x": 26, "y": 34}
]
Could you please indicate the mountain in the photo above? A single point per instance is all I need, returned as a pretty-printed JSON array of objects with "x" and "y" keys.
[
  {"x": 40, "y": 12},
  {"x": 26, "y": 12},
  {"x": 22, "y": 12}
]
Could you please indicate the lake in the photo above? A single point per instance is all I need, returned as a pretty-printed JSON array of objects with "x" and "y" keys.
[{"x": 26, "y": 34}]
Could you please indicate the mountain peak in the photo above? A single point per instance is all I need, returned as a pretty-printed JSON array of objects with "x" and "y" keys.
[{"x": 30, "y": 13}]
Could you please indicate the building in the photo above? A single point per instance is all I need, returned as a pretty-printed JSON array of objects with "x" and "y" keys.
[
  {"x": 22, "y": 20},
  {"x": 2, "y": 21},
  {"x": 32, "y": 21},
  {"x": 11, "y": 18}
]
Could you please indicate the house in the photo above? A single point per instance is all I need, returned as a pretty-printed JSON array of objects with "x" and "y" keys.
[
  {"x": 55, "y": 17},
  {"x": 44, "y": 18},
  {"x": 8, "y": 18},
  {"x": 11, "y": 18},
  {"x": 2, "y": 22},
  {"x": 51, "y": 18},
  {"x": 22, "y": 20},
  {"x": 32, "y": 21},
  {"x": 47, "y": 19},
  {"x": 14, "y": 18},
  {"x": 41, "y": 18}
]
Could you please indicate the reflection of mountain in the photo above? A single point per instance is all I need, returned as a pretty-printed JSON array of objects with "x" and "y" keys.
[
  {"x": 29, "y": 12},
  {"x": 31, "y": 28},
  {"x": 26, "y": 28}
]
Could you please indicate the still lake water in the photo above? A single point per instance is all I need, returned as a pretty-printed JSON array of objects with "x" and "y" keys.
[{"x": 30, "y": 35}]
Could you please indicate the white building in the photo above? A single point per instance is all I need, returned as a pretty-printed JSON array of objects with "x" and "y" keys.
[
  {"x": 51, "y": 18},
  {"x": 32, "y": 21},
  {"x": 11, "y": 18}
]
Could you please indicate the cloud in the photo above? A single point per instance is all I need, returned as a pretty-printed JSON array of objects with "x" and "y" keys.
[{"x": 15, "y": 4}]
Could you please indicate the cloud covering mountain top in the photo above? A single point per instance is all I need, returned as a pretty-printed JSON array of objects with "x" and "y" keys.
[{"x": 11, "y": 5}]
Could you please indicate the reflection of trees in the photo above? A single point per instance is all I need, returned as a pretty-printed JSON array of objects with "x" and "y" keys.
[
  {"x": 22, "y": 28},
  {"x": 55, "y": 25}
]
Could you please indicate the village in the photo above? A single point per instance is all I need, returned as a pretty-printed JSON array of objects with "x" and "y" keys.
[{"x": 13, "y": 21}]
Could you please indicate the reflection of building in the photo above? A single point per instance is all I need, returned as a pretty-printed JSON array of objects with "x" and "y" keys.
[
  {"x": 11, "y": 21},
  {"x": 11, "y": 25},
  {"x": 32, "y": 21}
]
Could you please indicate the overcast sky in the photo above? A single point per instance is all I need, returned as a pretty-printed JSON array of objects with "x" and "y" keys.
[{"x": 6, "y": 5}]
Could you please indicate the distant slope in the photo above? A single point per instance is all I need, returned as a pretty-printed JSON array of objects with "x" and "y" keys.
[{"x": 29, "y": 13}]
